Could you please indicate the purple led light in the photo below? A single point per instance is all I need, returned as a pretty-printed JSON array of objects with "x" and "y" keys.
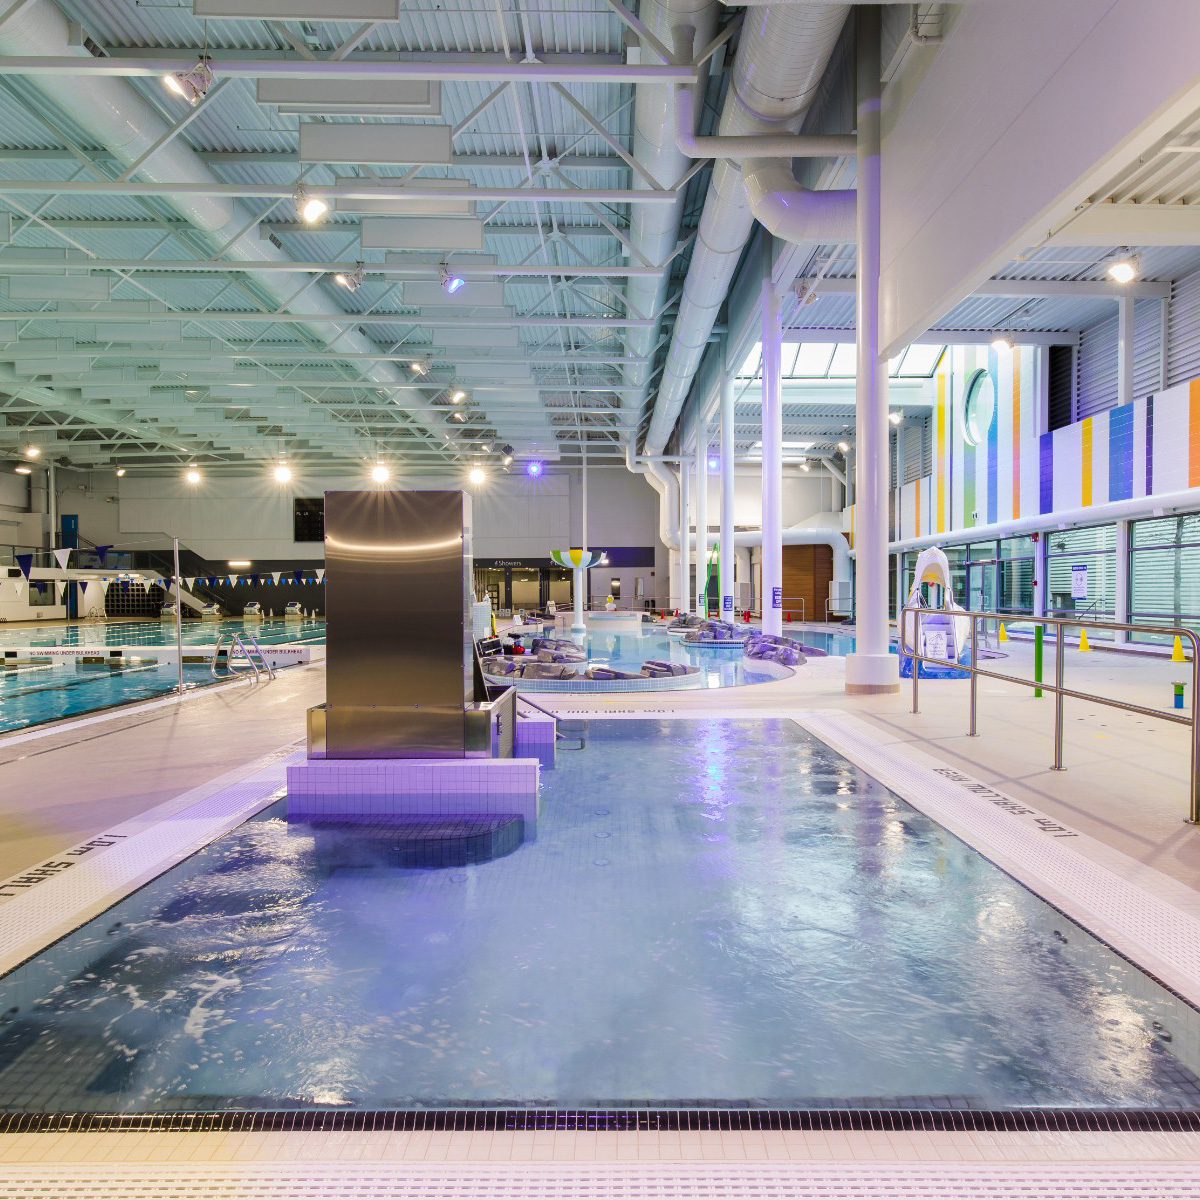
[{"x": 533, "y": 469}]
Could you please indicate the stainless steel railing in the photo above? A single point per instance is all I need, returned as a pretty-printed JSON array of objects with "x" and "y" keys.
[{"x": 1060, "y": 690}]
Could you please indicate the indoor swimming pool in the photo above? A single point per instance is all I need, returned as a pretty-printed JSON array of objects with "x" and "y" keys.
[
  {"x": 715, "y": 914},
  {"x": 50, "y": 691}
]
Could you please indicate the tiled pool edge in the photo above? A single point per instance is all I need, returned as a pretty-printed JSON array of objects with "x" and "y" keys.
[{"x": 58, "y": 899}]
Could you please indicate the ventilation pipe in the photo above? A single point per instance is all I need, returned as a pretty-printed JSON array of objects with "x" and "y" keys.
[
  {"x": 793, "y": 213},
  {"x": 783, "y": 55},
  {"x": 802, "y": 536},
  {"x": 654, "y": 228},
  {"x": 118, "y": 119}
]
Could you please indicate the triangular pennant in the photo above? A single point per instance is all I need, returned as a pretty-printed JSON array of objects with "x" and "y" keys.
[
  {"x": 275, "y": 576},
  {"x": 25, "y": 562},
  {"x": 19, "y": 586},
  {"x": 321, "y": 575},
  {"x": 62, "y": 591},
  {"x": 61, "y": 557},
  {"x": 104, "y": 586},
  {"x": 191, "y": 583},
  {"x": 102, "y": 553},
  {"x": 83, "y": 586}
]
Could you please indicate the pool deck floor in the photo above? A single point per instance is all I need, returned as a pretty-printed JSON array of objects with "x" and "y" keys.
[{"x": 1125, "y": 786}]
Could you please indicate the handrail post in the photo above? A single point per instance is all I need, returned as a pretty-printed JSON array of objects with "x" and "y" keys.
[
  {"x": 915, "y": 652},
  {"x": 1059, "y": 639},
  {"x": 973, "y": 731},
  {"x": 1195, "y": 781}
]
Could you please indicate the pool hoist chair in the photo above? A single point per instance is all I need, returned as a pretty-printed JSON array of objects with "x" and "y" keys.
[
  {"x": 944, "y": 634},
  {"x": 232, "y": 647}
]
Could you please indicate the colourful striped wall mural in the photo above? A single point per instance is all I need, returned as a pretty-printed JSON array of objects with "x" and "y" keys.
[{"x": 1146, "y": 448}]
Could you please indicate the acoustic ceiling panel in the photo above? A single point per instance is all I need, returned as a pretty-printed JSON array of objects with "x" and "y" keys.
[
  {"x": 421, "y": 233},
  {"x": 408, "y": 206},
  {"x": 392, "y": 145},
  {"x": 59, "y": 287},
  {"x": 353, "y": 97},
  {"x": 297, "y": 10},
  {"x": 474, "y": 295}
]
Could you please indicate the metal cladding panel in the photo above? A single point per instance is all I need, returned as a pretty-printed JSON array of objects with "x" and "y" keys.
[
  {"x": 476, "y": 295},
  {"x": 409, "y": 206},
  {"x": 339, "y": 142},
  {"x": 296, "y": 10},
  {"x": 398, "y": 644},
  {"x": 421, "y": 233}
]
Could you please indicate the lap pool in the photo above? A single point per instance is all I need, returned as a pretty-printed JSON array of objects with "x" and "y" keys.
[{"x": 715, "y": 915}]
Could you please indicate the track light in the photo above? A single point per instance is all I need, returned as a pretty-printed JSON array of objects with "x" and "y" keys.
[
  {"x": 120, "y": 472},
  {"x": 32, "y": 451},
  {"x": 458, "y": 397},
  {"x": 458, "y": 416},
  {"x": 451, "y": 283},
  {"x": 1003, "y": 342},
  {"x": 485, "y": 447},
  {"x": 311, "y": 208},
  {"x": 844, "y": 447},
  {"x": 283, "y": 473},
  {"x": 805, "y": 467},
  {"x": 417, "y": 367},
  {"x": 192, "y": 476},
  {"x": 895, "y": 418},
  {"x": 507, "y": 452},
  {"x": 192, "y": 85},
  {"x": 379, "y": 473},
  {"x": 1124, "y": 268},
  {"x": 351, "y": 280},
  {"x": 477, "y": 476}
]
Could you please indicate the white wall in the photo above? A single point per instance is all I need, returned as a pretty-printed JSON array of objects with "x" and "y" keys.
[{"x": 1028, "y": 107}]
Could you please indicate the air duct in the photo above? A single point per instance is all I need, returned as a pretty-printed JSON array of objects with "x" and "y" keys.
[
  {"x": 654, "y": 228},
  {"x": 783, "y": 55},
  {"x": 793, "y": 213},
  {"x": 119, "y": 120}
]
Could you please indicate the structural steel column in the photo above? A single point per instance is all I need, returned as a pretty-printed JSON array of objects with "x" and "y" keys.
[
  {"x": 727, "y": 565},
  {"x": 1125, "y": 340},
  {"x": 684, "y": 586},
  {"x": 772, "y": 449},
  {"x": 870, "y": 668},
  {"x": 702, "y": 520},
  {"x": 1121, "y": 607}
]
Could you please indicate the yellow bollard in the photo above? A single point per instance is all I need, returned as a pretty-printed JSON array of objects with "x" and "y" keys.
[
  {"x": 1083, "y": 642},
  {"x": 1003, "y": 635},
  {"x": 1177, "y": 651}
]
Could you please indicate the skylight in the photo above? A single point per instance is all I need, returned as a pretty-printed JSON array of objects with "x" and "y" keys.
[{"x": 804, "y": 362}]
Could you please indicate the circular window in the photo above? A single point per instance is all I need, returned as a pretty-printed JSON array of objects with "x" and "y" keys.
[{"x": 979, "y": 406}]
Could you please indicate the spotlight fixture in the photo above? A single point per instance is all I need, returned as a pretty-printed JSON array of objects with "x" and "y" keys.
[
  {"x": 311, "y": 208},
  {"x": 351, "y": 280},
  {"x": 533, "y": 468},
  {"x": 192, "y": 85},
  {"x": 603, "y": 559},
  {"x": 458, "y": 416},
  {"x": 192, "y": 476},
  {"x": 451, "y": 283},
  {"x": 478, "y": 475},
  {"x": 1003, "y": 342},
  {"x": 507, "y": 453},
  {"x": 417, "y": 367},
  {"x": 804, "y": 466},
  {"x": 120, "y": 472},
  {"x": 32, "y": 451},
  {"x": 895, "y": 417},
  {"x": 1124, "y": 268},
  {"x": 844, "y": 447},
  {"x": 713, "y": 463},
  {"x": 24, "y": 470},
  {"x": 379, "y": 473},
  {"x": 283, "y": 473},
  {"x": 458, "y": 397}
]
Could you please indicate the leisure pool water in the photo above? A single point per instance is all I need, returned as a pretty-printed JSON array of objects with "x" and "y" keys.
[{"x": 715, "y": 914}]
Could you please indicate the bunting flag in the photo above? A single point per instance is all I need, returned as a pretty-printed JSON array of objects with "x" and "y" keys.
[
  {"x": 83, "y": 586},
  {"x": 25, "y": 562},
  {"x": 61, "y": 557},
  {"x": 298, "y": 576},
  {"x": 102, "y": 553},
  {"x": 62, "y": 591},
  {"x": 19, "y": 587},
  {"x": 191, "y": 583},
  {"x": 321, "y": 575},
  {"x": 275, "y": 576},
  {"x": 104, "y": 586}
]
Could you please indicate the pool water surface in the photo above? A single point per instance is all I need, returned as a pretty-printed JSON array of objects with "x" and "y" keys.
[{"x": 714, "y": 914}]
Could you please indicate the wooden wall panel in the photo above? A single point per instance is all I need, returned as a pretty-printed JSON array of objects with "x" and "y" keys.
[{"x": 807, "y": 572}]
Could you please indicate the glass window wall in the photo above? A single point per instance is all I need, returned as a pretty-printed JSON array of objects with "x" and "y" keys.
[
  {"x": 1164, "y": 575},
  {"x": 1081, "y": 574}
]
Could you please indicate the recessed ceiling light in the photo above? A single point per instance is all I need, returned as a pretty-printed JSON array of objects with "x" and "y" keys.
[
  {"x": 239, "y": 562},
  {"x": 24, "y": 470}
]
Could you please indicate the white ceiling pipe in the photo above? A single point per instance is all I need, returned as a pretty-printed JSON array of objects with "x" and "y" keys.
[
  {"x": 779, "y": 65},
  {"x": 793, "y": 213},
  {"x": 667, "y": 487},
  {"x": 762, "y": 145},
  {"x": 808, "y": 537},
  {"x": 63, "y": 65},
  {"x": 124, "y": 124},
  {"x": 654, "y": 230}
]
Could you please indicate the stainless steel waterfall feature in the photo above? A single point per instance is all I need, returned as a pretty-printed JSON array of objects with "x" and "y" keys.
[{"x": 399, "y": 652}]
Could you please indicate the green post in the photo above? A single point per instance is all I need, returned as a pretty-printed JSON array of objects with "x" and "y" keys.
[{"x": 1038, "y": 631}]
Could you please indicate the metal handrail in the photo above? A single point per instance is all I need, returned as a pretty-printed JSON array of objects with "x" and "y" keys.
[
  {"x": 1057, "y": 687},
  {"x": 828, "y": 602},
  {"x": 236, "y": 643},
  {"x": 270, "y": 670}
]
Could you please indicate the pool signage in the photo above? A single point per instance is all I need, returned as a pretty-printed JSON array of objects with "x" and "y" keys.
[
  {"x": 727, "y": 604},
  {"x": 777, "y": 597},
  {"x": 1079, "y": 581}
]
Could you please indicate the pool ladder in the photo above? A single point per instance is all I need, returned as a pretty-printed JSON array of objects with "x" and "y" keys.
[{"x": 237, "y": 645}]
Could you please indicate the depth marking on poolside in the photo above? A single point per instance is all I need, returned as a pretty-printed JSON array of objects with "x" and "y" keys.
[{"x": 78, "y": 885}]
